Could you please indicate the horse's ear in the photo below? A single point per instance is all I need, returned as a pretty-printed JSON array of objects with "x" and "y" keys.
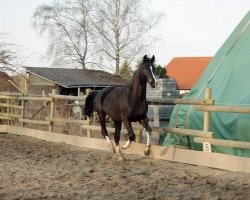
[
  {"x": 145, "y": 58},
  {"x": 152, "y": 59}
]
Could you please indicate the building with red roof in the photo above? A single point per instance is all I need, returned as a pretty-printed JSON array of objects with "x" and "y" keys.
[{"x": 187, "y": 70}]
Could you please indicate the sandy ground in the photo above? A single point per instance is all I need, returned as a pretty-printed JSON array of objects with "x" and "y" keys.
[{"x": 35, "y": 169}]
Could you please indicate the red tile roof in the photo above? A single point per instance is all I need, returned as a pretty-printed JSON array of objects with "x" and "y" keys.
[{"x": 187, "y": 70}]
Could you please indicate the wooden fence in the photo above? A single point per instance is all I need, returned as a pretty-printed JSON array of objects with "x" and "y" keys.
[{"x": 201, "y": 136}]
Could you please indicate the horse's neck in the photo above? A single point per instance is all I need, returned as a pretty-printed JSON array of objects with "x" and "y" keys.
[{"x": 138, "y": 88}]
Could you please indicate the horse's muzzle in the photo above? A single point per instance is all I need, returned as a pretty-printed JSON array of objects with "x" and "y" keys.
[{"x": 153, "y": 84}]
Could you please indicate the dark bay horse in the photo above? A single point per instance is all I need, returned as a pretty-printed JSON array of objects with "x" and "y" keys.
[{"x": 124, "y": 104}]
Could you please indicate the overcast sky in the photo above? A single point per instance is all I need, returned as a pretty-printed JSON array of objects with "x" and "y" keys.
[{"x": 188, "y": 28}]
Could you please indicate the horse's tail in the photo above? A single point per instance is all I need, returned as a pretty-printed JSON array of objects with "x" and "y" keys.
[{"x": 89, "y": 103}]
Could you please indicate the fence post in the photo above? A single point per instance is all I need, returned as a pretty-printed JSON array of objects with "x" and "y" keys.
[
  {"x": 52, "y": 110},
  {"x": 207, "y": 113},
  {"x": 89, "y": 134},
  {"x": 206, "y": 145},
  {"x": 138, "y": 136},
  {"x": 23, "y": 109},
  {"x": 156, "y": 115},
  {"x": 8, "y": 111}
]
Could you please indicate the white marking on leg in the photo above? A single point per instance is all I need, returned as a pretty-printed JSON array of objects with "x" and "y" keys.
[
  {"x": 118, "y": 149},
  {"x": 148, "y": 139},
  {"x": 126, "y": 145},
  {"x": 107, "y": 138},
  {"x": 110, "y": 144}
]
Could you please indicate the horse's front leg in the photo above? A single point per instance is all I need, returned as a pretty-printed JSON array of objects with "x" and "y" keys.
[
  {"x": 131, "y": 133},
  {"x": 118, "y": 126},
  {"x": 145, "y": 124}
]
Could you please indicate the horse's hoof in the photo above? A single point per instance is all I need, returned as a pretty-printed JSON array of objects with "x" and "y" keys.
[
  {"x": 112, "y": 148},
  {"x": 126, "y": 145},
  {"x": 121, "y": 158},
  {"x": 147, "y": 151}
]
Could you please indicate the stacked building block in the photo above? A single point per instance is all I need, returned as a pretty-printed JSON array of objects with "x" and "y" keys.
[
  {"x": 159, "y": 115},
  {"x": 166, "y": 88}
]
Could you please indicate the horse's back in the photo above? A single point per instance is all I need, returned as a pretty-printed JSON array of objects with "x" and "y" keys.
[
  {"x": 106, "y": 95},
  {"x": 109, "y": 100}
]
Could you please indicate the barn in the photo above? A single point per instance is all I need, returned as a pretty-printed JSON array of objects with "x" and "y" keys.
[
  {"x": 69, "y": 81},
  {"x": 228, "y": 77}
]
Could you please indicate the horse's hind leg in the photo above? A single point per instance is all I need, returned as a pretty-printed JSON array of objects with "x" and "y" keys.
[
  {"x": 104, "y": 131},
  {"x": 118, "y": 126},
  {"x": 145, "y": 124}
]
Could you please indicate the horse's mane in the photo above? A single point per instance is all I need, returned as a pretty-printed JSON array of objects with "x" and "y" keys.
[{"x": 134, "y": 74}]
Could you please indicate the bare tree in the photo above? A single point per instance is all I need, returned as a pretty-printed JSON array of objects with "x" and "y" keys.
[
  {"x": 122, "y": 26},
  {"x": 101, "y": 32},
  {"x": 68, "y": 26},
  {"x": 9, "y": 60}
]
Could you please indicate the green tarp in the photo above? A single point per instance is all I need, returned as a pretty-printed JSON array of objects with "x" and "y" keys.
[{"x": 228, "y": 76}]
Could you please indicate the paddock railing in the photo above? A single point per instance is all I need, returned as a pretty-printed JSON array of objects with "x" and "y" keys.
[{"x": 17, "y": 101}]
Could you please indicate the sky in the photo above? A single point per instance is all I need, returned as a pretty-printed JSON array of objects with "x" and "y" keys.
[{"x": 187, "y": 28}]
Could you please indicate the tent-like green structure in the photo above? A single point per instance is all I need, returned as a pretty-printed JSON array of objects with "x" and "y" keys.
[{"x": 228, "y": 76}]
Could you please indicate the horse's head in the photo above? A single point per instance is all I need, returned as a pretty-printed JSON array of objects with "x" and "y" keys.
[{"x": 148, "y": 69}]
